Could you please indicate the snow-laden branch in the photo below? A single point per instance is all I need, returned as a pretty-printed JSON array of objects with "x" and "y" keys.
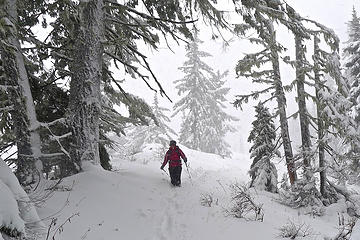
[
  {"x": 146, "y": 16},
  {"x": 7, "y": 87},
  {"x": 6, "y": 109},
  {"x": 59, "y": 120},
  {"x": 56, "y": 137}
]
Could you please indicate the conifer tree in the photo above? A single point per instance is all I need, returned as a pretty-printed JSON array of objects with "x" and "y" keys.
[
  {"x": 352, "y": 58},
  {"x": 16, "y": 85},
  {"x": 263, "y": 134},
  {"x": 259, "y": 16},
  {"x": 156, "y": 131},
  {"x": 205, "y": 122},
  {"x": 115, "y": 29}
]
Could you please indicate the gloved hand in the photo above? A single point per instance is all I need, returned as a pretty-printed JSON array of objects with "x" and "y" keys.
[
  {"x": 185, "y": 160},
  {"x": 162, "y": 167}
]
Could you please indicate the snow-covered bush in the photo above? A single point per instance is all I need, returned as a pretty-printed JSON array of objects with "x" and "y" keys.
[
  {"x": 303, "y": 194},
  {"x": 347, "y": 230},
  {"x": 244, "y": 205},
  {"x": 207, "y": 199},
  {"x": 17, "y": 212},
  {"x": 11, "y": 223},
  {"x": 293, "y": 230}
]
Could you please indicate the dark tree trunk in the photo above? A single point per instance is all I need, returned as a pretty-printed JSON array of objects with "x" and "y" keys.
[
  {"x": 301, "y": 99},
  {"x": 281, "y": 101},
  {"x": 25, "y": 124},
  {"x": 320, "y": 123},
  {"x": 84, "y": 106}
]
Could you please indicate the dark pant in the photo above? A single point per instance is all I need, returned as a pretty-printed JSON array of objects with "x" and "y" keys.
[{"x": 175, "y": 175}]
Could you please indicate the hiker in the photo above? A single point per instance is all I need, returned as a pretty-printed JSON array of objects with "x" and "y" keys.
[{"x": 173, "y": 157}]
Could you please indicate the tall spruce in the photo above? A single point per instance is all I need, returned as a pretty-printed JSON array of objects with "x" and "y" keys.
[
  {"x": 352, "y": 58},
  {"x": 202, "y": 94},
  {"x": 262, "y": 136},
  {"x": 259, "y": 16}
]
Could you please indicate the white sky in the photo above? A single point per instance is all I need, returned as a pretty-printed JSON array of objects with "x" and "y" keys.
[{"x": 332, "y": 13}]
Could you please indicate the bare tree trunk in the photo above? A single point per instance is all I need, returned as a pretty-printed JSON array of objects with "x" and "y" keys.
[
  {"x": 281, "y": 101},
  {"x": 304, "y": 120},
  {"x": 84, "y": 106},
  {"x": 320, "y": 123},
  {"x": 24, "y": 116}
]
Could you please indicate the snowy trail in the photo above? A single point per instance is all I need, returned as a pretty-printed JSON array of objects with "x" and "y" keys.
[{"x": 138, "y": 203}]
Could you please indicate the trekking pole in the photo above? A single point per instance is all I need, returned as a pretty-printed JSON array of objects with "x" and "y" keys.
[
  {"x": 187, "y": 169},
  {"x": 165, "y": 172}
]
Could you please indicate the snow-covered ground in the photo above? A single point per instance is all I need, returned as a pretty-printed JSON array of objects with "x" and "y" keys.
[{"x": 136, "y": 202}]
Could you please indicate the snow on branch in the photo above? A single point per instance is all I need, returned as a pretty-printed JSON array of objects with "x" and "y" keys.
[
  {"x": 241, "y": 99},
  {"x": 244, "y": 204},
  {"x": 6, "y": 109},
  {"x": 7, "y": 87}
]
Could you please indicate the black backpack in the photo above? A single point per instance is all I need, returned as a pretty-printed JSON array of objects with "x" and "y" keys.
[{"x": 177, "y": 150}]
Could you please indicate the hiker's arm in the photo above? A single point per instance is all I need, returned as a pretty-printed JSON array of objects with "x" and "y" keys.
[
  {"x": 182, "y": 154},
  {"x": 166, "y": 159}
]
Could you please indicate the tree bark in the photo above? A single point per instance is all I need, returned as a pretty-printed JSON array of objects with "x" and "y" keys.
[
  {"x": 84, "y": 105},
  {"x": 281, "y": 101},
  {"x": 29, "y": 169},
  {"x": 300, "y": 83},
  {"x": 320, "y": 123}
]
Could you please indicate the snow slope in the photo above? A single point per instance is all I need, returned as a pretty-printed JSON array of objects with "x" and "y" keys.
[{"x": 137, "y": 203}]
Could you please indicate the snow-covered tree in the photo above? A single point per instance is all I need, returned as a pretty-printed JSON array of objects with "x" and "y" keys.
[
  {"x": 157, "y": 130},
  {"x": 352, "y": 58},
  {"x": 16, "y": 85},
  {"x": 264, "y": 66},
  {"x": 85, "y": 33},
  {"x": 204, "y": 122},
  {"x": 262, "y": 136}
]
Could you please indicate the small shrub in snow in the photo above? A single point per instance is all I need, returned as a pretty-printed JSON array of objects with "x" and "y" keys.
[
  {"x": 293, "y": 230},
  {"x": 54, "y": 230},
  {"x": 303, "y": 194},
  {"x": 244, "y": 205},
  {"x": 207, "y": 200},
  {"x": 345, "y": 228}
]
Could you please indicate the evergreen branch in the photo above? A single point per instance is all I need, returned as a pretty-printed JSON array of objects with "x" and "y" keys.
[
  {"x": 51, "y": 82},
  {"x": 7, "y": 87},
  {"x": 50, "y": 155},
  {"x": 8, "y": 157},
  {"x": 294, "y": 115},
  {"x": 7, "y": 109},
  {"x": 59, "y": 120},
  {"x": 56, "y": 137},
  {"x": 245, "y": 98},
  {"x": 144, "y": 78},
  {"x": 162, "y": 91},
  {"x": 146, "y": 16},
  {"x": 56, "y": 54},
  {"x": 117, "y": 84},
  {"x": 114, "y": 20},
  {"x": 269, "y": 99}
]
